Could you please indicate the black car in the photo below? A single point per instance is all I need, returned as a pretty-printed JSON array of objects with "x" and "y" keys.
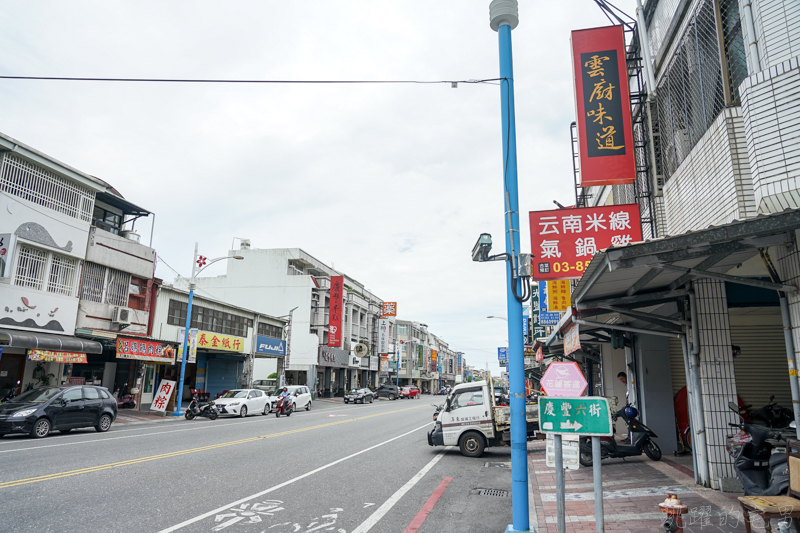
[
  {"x": 39, "y": 411},
  {"x": 388, "y": 391},
  {"x": 359, "y": 395}
]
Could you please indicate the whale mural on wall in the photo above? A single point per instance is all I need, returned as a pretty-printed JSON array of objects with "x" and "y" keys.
[{"x": 37, "y": 233}]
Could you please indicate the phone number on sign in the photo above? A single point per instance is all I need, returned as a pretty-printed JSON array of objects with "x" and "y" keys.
[{"x": 564, "y": 266}]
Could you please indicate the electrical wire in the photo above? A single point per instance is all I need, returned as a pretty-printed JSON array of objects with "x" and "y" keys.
[{"x": 206, "y": 80}]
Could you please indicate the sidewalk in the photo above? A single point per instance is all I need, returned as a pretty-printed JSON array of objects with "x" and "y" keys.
[
  {"x": 632, "y": 490},
  {"x": 132, "y": 416}
]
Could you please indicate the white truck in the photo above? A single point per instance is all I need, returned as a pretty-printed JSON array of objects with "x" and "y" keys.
[{"x": 471, "y": 420}]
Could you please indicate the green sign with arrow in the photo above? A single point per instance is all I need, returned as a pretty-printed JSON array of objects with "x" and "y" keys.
[{"x": 587, "y": 415}]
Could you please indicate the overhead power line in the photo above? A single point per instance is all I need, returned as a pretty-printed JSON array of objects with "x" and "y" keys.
[{"x": 453, "y": 83}]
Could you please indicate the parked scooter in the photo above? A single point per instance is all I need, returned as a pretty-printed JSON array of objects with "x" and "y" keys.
[
  {"x": 439, "y": 409},
  {"x": 641, "y": 440},
  {"x": 284, "y": 406},
  {"x": 126, "y": 400},
  {"x": 11, "y": 394},
  {"x": 772, "y": 415},
  {"x": 208, "y": 410},
  {"x": 758, "y": 457}
]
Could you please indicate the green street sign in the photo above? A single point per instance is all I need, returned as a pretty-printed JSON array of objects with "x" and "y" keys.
[{"x": 587, "y": 415}]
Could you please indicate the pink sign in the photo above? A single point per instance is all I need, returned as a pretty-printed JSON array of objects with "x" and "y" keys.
[{"x": 564, "y": 379}]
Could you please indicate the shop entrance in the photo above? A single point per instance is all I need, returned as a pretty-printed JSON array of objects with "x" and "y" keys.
[
  {"x": 11, "y": 368},
  {"x": 148, "y": 384}
]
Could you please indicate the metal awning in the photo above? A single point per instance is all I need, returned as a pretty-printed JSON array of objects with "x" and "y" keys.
[
  {"x": 637, "y": 286},
  {"x": 43, "y": 341}
]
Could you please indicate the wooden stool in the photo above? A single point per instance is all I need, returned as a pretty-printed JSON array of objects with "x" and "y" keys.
[{"x": 769, "y": 507}]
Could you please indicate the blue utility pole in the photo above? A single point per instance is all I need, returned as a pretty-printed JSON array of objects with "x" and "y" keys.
[
  {"x": 504, "y": 17},
  {"x": 179, "y": 399}
]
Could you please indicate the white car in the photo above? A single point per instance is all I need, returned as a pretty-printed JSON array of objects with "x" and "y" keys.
[
  {"x": 241, "y": 402},
  {"x": 301, "y": 397}
]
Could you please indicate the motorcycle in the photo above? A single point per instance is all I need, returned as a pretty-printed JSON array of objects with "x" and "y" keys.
[
  {"x": 126, "y": 400},
  {"x": 284, "y": 406},
  {"x": 759, "y": 457},
  {"x": 195, "y": 409},
  {"x": 771, "y": 415},
  {"x": 11, "y": 394},
  {"x": 641, "y": 440},
  {"x": 439, "y": 409}
]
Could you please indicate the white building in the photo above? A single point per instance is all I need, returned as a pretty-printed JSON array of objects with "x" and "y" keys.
[{"x": 289, "y": 280}]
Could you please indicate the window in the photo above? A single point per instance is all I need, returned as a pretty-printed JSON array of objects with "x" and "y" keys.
[
  {"x": 402, "y": 329},
  {"x": 34, "y": 266},
  {"x": 94, "y": 277},
  {"x": 117, "y": 287},
  {"x": 208, "y": 319},
  {"x": 270, "y": 330},
  {"x": 107, "y": 220},
  {"x": 73, "y": 395},
  {"x": 467, "y": 398},
  {"x": 31, "y": 266},
  {"x": 33, "y": 183},
  {"x": 62, "y": 275},
  {"x": 90, "y": 393}
]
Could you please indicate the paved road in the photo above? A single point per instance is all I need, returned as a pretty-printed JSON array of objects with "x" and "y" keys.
[{"x": 337, "y": 468}]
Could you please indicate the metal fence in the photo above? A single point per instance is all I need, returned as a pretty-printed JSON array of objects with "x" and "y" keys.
[
  {"x": 733, "y": 44},
  {"x": 691, "y": 92}
]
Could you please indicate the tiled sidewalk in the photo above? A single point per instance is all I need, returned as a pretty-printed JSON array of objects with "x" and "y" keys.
[{"x": 632, "y": 490}]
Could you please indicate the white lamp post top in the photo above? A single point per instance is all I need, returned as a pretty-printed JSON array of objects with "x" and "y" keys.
[{"x": 503, "y": 12}]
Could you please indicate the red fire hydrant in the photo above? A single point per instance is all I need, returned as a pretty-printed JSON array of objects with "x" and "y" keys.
[{"x": 673, "y": 508}]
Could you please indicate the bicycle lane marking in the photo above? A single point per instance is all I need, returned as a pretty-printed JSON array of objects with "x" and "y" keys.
[
  {"x": 296, "y": 479},
  {"x": 379, "y": 513},
  {"x": 178, "y": 453}
]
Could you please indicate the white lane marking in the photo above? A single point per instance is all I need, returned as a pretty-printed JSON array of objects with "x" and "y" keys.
[
  {"x": 94, "y": 441},
  {"x": 286, "y": 483},
  {"x": 379, "y": 513}
]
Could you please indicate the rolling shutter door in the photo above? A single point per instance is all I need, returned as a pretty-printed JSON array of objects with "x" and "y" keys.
[
  {"x": 222, "y": 374},
  {"x": 677, "y": 366},
  {"x": 761, "y": 369}
]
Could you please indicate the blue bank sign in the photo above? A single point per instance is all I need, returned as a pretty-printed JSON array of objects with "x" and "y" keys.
[{"x": 270, "y": 346}]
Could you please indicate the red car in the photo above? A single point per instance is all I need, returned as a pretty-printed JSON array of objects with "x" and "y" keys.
[{"x": 409, "y": 392}]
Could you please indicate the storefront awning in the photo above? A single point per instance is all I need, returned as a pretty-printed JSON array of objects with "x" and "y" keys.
[
  {"x": 636, "y": 287},
  {"x": 43, "y": 341}
]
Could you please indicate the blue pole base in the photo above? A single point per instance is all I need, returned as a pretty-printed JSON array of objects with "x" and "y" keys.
[
  {"x": 510, "y": 529},
  {"x": 177, "y": 413}
]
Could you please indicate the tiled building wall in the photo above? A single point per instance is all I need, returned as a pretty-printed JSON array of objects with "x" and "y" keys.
[
  {"x": 717, "y": 378},
  {"x": 771, "y": 112},
  {"x": 713, "y": 184},
  {"x": 777, "y": 25}
]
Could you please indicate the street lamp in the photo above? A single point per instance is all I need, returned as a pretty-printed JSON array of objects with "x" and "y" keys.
[{"x": 200, "y": 263}]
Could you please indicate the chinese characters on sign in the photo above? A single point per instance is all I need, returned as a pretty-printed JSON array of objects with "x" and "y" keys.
[
  {"x": 546, "y": 317},
  {"x": 145, "y": 350},
  {"x": 192, "y": 345},
  {"x": 563, "y": 379},
  {"x": 564, "y": 241},
  {"x": 165, "y": 389},
  {"x": 217, "y": 341},
  {"x": 589, "y": 415},
  {"x": 388, "y": 309},
  {"x": 558, "y": 295},
  {"x": 603, "y": 107},
  {"x": 335, "y": 314},
  {"x": 58, "y": 357},
  {"x": 383, "y": 336},
  {"x": 572, "y": 339}
]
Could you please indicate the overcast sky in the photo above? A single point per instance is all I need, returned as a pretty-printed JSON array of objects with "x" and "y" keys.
[{"x": 391, "y": 184}]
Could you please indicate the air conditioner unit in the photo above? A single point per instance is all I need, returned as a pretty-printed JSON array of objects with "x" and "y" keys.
[{"x": 122, "y": 315}]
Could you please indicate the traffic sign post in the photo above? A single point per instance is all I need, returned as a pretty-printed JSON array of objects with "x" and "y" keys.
[{"x": 565, "y": 412}]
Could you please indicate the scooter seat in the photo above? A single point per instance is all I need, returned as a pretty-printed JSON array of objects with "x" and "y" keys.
[{"x": 771, "y": 504}]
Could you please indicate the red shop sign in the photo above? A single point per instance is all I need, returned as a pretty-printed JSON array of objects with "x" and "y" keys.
[
  {"x": 335, "y": 314},
  {"x": 563, "y": 241},
  {"x": 603, "y": 107}
]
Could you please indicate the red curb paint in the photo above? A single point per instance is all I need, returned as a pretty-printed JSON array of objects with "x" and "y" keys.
[{"x": 416, "y": 523}]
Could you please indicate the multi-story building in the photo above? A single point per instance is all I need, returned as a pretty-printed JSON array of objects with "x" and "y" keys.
[
  {"x": 289, "y": 281},
  {"x": 716, "y": 150},
  {"x": 47, "y": 213}
]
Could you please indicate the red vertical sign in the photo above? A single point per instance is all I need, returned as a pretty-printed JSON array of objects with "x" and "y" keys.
[
  {"x": 335, "y": 312},
  {"x": 603, "y": 105}
]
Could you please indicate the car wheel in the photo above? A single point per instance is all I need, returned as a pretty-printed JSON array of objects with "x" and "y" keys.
[
  {"x": 345, "y": 401},
  {"x": 104, "y": 424},
  {"x": 652, "y": 451},
  {"x": 41, "y": 428},
  {"x": 308, "y": 405},
  {"x": 392, "y": 396},
  {"x": 65, "y": 431},
  {"x": 243, "y": 411},
  {"x": 471, "y": 445},
  {"x": 370, "y": 400},
  {"x": 266, "y": 409}
]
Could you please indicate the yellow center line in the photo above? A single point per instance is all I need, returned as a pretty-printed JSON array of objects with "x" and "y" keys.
[{"x": 178, "y": 453}]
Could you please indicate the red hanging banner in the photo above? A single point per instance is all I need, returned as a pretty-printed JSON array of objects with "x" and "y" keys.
[
  {"x": 603, "y": 105},
  {"x": 335, "y": 312},
  {"x": 563, "y": 241}
]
